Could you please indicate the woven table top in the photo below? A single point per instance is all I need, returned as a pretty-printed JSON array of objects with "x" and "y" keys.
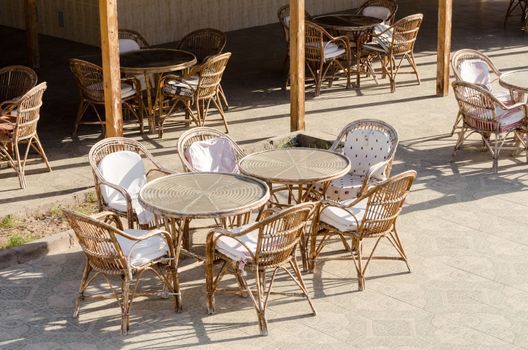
[
  {"x": 295, "y": 165},
  {"x": 203, "y": 195},
  {"x": 156, "y": 61},
  {"x": 517, "y": 79}
]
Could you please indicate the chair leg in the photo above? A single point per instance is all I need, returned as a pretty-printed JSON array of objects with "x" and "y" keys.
[
  {"x": 358, "y": 263},
  {"x": 83, "y": 106},
  {"x": 286, "y": 70},
  {"x": 260, "y": 303},
  {"x": 82, "y": 288},
  {"x": 218, "y": 106},
  {"x": 41, "y": 152},
  {"x": 455, "y": 125},
  {"x": 19, "y": 167},
  {"x": 300, "y": 282},
  {"x": 125, "y": 304},
  {"x": 412, "y": 62},
  {"x": 223, "y": 97}
]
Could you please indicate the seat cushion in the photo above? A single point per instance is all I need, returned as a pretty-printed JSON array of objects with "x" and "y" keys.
[
  {"x": 366, "y": 148},
  {"x": 7, "y": 126},
  {"x": 331, "y": 50},
  {"x": 347, "y": 187},
  {"x": 234, "y": 250},
  {"x": 342, "y": 219},
  {"x": 127, "y": 90},
  {"x": 510, "y": 119},
  {"x": 126, "y": 169},
  {"x": 142, "y": 252},
  {"x": 380, "y": 12},
  {"x": 128, "y": 45},
  {"x": 215, "y": 155},
  {"x": 187, "y": 87},
  {"x": 475, "y": 71}
]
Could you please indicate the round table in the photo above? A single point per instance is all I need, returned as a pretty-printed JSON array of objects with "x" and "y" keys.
[
  {"x": 357, "y": 27},
  {"x": 515, "y": 80},
  {"x": 154, "y": 62}
]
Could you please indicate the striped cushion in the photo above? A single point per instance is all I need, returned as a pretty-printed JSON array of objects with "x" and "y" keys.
[
  {"x": 510, "y": 119},
  {"x": 185, "y": 87}
]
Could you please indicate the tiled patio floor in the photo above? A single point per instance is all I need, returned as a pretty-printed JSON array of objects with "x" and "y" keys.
[{"x": 464, "y": 228}]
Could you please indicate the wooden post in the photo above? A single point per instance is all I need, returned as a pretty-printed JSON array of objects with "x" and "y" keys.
[
  {"x": 32, "y": 46},
  {"x": 445, "y": 11},
  {"x": 111, "y": 70},
  {"x": 297, "y": 64}
]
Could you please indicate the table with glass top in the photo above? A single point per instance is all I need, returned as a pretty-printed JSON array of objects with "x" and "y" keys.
[{"x": 515, "y": 80}]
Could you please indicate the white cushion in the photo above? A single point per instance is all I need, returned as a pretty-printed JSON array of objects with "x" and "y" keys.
[
  {"x": 366, "y": 148},
  {"x": 331, "y": 50},
  {"x": 128, "y": 45},
  {"x": 126, "y": 169},
  {"x": 475, "y": 71},
  {"x": 342, "y": 219},
  {"x": 142, "y": 252},
  {"x": 346, "y": 187},
  {"x": 127, "y": 90},
  {"x": 286, "y": 21},
  {"x": 236, "y": 251},
  {"x": 215, "y": 155},
  {"x": 383, "y": 40},
  {"x": 186, "y": 87},
  {"x": 509, "y": 119},
  {"x": 380, "y": 12}
]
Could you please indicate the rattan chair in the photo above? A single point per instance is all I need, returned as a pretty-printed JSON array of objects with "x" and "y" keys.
[
  {"x": 203, "y": 134},
  {"x": 373, "y": 215},
  {"x": 268, "y": 244},
  {"x": 370, "y": 146},
  {"x": 395, "y": 44},
  {"x": 18, "y": 125},
  {"x": 484, "y": 114},
  {"x": 195, "y": 91},
  {"x": 374, "y": 8},
  {"x": 127, "y": 254},
  {"x": 476, "y": 68},
  {"x": 128, "y": 209},
  {"x": 15, "y": 81},
  {"x": 127, "y": 34},
  {"x": 326, "y": 54},
  {"x": 284, "y": 20},
  {"x": 517, "y": 8},
  {"x": 89, "y": 79}
]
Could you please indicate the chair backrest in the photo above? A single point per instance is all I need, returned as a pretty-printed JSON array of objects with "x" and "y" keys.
[
  {"x": 15, "y": 81},
  {"x": 204, "y": 43},
  {"x": 284, "y": 20},
  {"x": 98, "y": 242},
  {"x": 201, "y": 134},
  {"x": 126, "y": 39},
  {"x": 384, "y": 203},
  {"x": 405, "y": 33},
  {"x": 280, "y": 233},
  {"x": 366, "y": 142},
  {"x": 210, "y": 75},
  {"x": 315, "y": 38},
  {"x": 473, "y": 67},
  {"x": 28, "y": 112},
  {"x": 382, "y": 9},
  {"x": 89, "y": 79}
]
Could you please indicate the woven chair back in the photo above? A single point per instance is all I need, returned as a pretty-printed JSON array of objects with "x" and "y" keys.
[
  {"x": 210, "y": 74},
  {"x": 99, "y": 243},
  {"x": 391, "y": 5},
  {"x": 133, "y": 35},
  {"x": 15, "y": 81},
  {"x": 28, "y": 113},
  {"x": 204, "y": 43},
  {"x": 315, "y": 38},
  {"x": 284, "y": 20},
  {"x": 466, "y": 55},
  {"x": 202, "y": 134},
  {"x": 384, "y": 203},
  {"x": 280, "y": 233},
  {"x": 89, "y": 79},
  {"x": 405, "y": 34}
]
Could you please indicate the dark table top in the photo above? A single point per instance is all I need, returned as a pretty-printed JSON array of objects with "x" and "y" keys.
[
  {"x": 156, "y": 60},
  {"x": 346, "y": 21}
]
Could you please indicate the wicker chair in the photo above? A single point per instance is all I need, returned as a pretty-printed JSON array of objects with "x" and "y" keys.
[
  {"x": 513, "y": 6},
  {"x": 370, "y": 145},
  {"x": 484, "y": 114},
  {"x": 325, "y": 53},
  {"x": 89, "y": 79},
  {"x": 127, "y": 34},
  {"x": 127, "y": 207},
  {"x": 203, "y": 134},
  {"x": 373, "y": 215},
  {"x": 476, "y": 68},
  {"x": 196, "y": 90},
  {"x": 15, "y": 81},
  {"x": 284, "y": 21},
  {"x": 374, "y": 8},
  {"x": 396, "y": 41},
  {"x": 268, "y": 244},
  {"x": 18, "y": 125},
  {"x": 128, "y": 254}
]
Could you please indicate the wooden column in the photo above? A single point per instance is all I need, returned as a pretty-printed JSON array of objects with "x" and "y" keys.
[
  {"x": 111, "y": 69},
  {"x": 32, "y": 46},
  {"x": 445, "y": 10},
  {"x": 297, "y": 64}
]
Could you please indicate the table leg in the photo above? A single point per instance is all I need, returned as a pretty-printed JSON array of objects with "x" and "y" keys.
[
  {"x": 150, "y": 107},
  {"x": 174, "y": 227}
]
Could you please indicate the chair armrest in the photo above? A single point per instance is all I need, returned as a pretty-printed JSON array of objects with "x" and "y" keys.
[
  {"x": 121, "y": 191},
  {"x": 218, "y": 232},
  {"x": 108, "y": 217},
  {"x": 330, "y": 203},
  {"x": 152, "y": 233},
  {"x": 181, "y": 80},
  {"x": 162, "y": 170},
  {"x": 8, "y": 106},
  {"x": 343, "y": 40}
]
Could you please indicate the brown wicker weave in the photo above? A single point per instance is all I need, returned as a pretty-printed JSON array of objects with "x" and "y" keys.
[
  {"x": 98, "y": 239},
  {"x": 284, "y": 20},
  {"x": 517, "y": 8},
  {"x": 15, "y": 81},
  {"x": 278, "y": 236},
  {"x": 18, "y": 125},
  {"x": 316, "y": 40},
  {"x": 133, "y": 35},
  {"x": 478, "y": 108},
  {"x": 89, "y": 79},
  {"x": 389, "y": 4},
  {"x": 383, "y": 205},
  {"x": 205, "y": 91},
  {"x": 202, "y": 134},
  {"x": 116, "y": 144},
  {"x": 404, "y": 34}
]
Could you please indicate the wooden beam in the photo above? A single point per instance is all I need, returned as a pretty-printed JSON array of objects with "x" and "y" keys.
[
  {"x": 445, "y": 11},
  {"x": 32, "y": 46},
  {"x": 111, "y": 70},
  {"x": 297, "y": 64}
]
